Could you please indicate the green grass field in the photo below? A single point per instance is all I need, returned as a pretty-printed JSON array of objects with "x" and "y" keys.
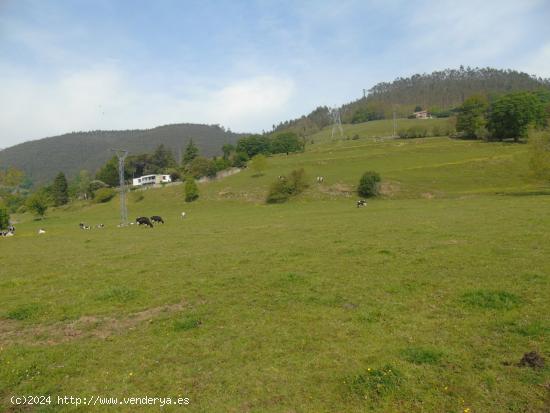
[{"x": 424, "y": 301}]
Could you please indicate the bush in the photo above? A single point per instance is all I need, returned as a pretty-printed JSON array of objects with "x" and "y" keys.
[
  {"x": 103, "y": 195},
  {"x": 191, "y": 189},
  {"x": 416, "y": 131},
  {"x": 4, "y": 218},
  {"x": 369, "y": 184},
  {"x": 38, "y": 203},
  {"x": 281, "y": 190}
]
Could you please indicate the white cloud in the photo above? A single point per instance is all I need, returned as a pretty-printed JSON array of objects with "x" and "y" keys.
[
  {"x": 538, "y": 63},
  {"x": 103, "y": 97}
]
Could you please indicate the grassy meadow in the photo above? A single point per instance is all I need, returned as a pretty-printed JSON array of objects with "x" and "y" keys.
[{"x": 424, "y": 301}]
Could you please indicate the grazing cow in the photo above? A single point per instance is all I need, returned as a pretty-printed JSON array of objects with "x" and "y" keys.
[
  {"x": 155, "y": 219},
  {"x": 182, "y": 215},
  {"x": 320, "y": 179},
  {"x": 361, "y": 203},
  {"x": 99, "y": 226},
  {"x": 82, "y": 225},
  {"x": 41, "y": 231},
  {"x": 144, "y": 221}
]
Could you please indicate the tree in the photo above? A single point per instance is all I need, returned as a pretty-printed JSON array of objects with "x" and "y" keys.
[
  {"x": 240, "y": 159},
  {"x": 109, "y": 172},
  {"x": 162, "y": 159},
  {"x": 227, "y": 149},
  {"x": 286, "y": 142},
  {"x": 471, "y": 117},
  {"x": 191, "y": 189},
  {"x": 4, "y": 217},
  {"x": 191, "y": 152},
  {"x": 12, "y": 177},
  {"x": 258, "y": 164},
  {"x": 369, "y": 184},
  {"x": 253, "y": 145},
  {"x": 201, "y": 166},
  {"x": 539, "y": 161},
  {"x": 38, "y": 203},
  {"x": 512, "y": 114},
  {"x": 83, "y": 184},
  {"x": 60, "y": 190}
]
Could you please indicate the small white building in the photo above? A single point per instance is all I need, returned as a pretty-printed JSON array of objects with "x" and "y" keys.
[{"x": 151, "y": 180}]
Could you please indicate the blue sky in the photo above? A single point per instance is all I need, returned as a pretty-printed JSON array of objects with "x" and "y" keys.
[{"x": 98, "y": 64}]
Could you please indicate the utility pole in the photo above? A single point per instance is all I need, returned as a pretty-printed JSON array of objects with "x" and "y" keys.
[
  {"x": 364, "y": 93},
  {"x": 121, "y": 155}
]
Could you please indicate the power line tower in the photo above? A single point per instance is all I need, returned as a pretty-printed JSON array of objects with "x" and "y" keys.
[
  {"x": 336, "y": 123},
  {"x": 121, "y": 155}
]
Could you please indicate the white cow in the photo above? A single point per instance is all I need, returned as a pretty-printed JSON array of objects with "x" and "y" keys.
[
  {"x": 41, "y": 231},
  {"x": 182, "y": 215}
]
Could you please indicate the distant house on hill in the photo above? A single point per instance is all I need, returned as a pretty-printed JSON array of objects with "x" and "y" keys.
[
  {"x": 422, "y": 114},
  {"x": 151, "y": 180}
]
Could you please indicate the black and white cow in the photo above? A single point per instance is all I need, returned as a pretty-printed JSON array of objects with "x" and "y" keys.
[
  {"x": 82, "y": 225},
  {"x": 361, "y": 203},
  {"x": 144, "y": 221},
  {"x": 320, "y": 179},
  {"x": 156, "y": 219}
]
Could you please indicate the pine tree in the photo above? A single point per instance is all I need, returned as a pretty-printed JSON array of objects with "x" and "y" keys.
[
  {"x": 191, "y": 189},
  {"x": 60, "y": 190},
  {"x": 191, "y": 152}
]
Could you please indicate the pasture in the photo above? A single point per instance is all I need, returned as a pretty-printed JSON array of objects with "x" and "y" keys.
[{"x": 424, "y": 301}]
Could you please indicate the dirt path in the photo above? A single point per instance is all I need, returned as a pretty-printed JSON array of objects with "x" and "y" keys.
[{"x": 12, "y": 332}]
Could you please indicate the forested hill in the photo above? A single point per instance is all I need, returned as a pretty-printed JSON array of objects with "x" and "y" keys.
[
  {"x": 448, "y": 88},
  {"x": 437, "y": 92},
  {"x": 43, "y": 159}
]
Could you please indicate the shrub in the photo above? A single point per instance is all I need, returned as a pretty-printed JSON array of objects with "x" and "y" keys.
[
  {"x": 369, "y": 184},
  {"x": 4, "y": 218},
  {"x": 38, "y": 203},
  {"x": 282, "y": 189},
  {"x": 103, "y": 195},
  {"x": 191, "y": 189},
  {"x": 416, "y": 131}
]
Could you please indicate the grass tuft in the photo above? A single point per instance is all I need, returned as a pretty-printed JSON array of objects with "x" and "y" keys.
[
  {"x": 187, "y": 323},
  {"x": 375, "y": 383},
  {"x": 498, "y": 300},
  {"x": 118, "y": 294},
  {"x": 418, "y": 355},
  {"x": 23, "y": 312}
]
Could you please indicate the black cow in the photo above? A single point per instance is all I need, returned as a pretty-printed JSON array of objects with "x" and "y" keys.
[
  {"x": 144, "y": 221},
  {"x": 155, "y": 219},
  {"x": 361, "y": 203}
]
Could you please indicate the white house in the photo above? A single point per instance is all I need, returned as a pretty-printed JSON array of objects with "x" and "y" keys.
[{"x": 151, "y": 180}]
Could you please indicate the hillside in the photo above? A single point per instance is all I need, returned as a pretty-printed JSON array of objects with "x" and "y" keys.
[
  {"x": 425, "y": 300},
  {"x": 43, "y": 159},
  {"x": 436, "y": 91}
]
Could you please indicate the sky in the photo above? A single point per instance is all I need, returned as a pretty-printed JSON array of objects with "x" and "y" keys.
[{"x": 83, "y": 65}]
